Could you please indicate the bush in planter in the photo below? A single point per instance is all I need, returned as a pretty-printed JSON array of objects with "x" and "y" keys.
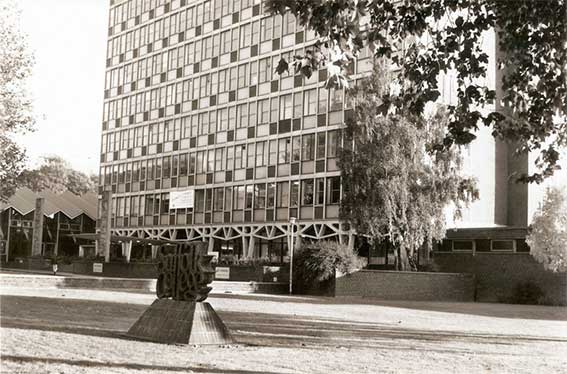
[
  {"x": 528, "y": 293},
  {"x": 317, "y": 262}
]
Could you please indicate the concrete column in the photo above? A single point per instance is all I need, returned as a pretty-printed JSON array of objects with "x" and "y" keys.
[
  {"x": 251, "y": 247},
  {"x": 244, "y": 245},
  {"x": 37, "y": 238},
  {"x": 8, "y": 234},
  {"x": 127, "y": 250},
  {"x": 351, "y": 240},
  {"x": 105, "y": 215},
  {"x": 155, "y": 249},
  {"x": 211, "y": 247},
  {"x": 57, "y": 233}
]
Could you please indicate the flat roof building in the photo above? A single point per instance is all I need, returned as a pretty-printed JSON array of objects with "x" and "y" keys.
[{"x": 202, "y": 140}]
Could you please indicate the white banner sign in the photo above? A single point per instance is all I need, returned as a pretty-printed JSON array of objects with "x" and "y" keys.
[
  {"x": 97, "y": 267},
  {"x": 181, "y": 199},
  {"x": 222, "y": 273}
]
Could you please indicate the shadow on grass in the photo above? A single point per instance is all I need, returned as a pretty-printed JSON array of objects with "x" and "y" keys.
[
  {"x": 125, "y": 365},
  {"x": 514, "y": 311},
  {"x": 112, "y": 320}
]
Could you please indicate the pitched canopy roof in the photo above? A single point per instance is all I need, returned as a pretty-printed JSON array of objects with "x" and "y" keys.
[{"x": 67, "y": 203}]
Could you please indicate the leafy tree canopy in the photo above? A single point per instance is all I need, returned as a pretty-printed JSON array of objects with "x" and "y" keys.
[
  {"x": 548, "y": 233},
  {"x": 397, "y": 185},
  {"x": 15, "y": 106},
  {"x": 56, "y": 175},
  {"x": 426, "y": 37}
]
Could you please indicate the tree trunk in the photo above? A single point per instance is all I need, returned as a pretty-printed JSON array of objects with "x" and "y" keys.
[{"x": 404, "y": 264}]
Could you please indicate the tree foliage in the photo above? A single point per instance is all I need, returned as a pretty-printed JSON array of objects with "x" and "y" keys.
[
  {"x": 426, "y": 37},
  {"x": 15, "y": 105},
  {"x": 56, "y": 175},
  {"x": 319, "y": 260},
  {"x": 397, "y": 185},
  {"x": 548, "y": 233}
]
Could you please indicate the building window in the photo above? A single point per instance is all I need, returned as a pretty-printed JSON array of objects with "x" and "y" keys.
[
  {"x": 463, "y": 245},
  {"x": 320, "y": 145},
  {"x": 264, "y": 109},
  {"x": 245, "y": 35},
  {"x": 286, "y": 106},
  {"x": 503, "y": 245},
  {"x": 199, "y": 201},
  {"x": 271, "y": 195},
  {"x": 283, "y": 151},
  {"x": 333, "y": 190},
  {"x": 239, "y": 196},
  {"x": 336, "y": 99},
  {"x": 310, "y": 102},
  {"x": 282, "y": 195},
  {"x": 308, "y": 149},
  {"x": 266, "y": 27},
  {"x": 323, "y": 98},
  {"x": 288, "y": 24},
  {"x": 307, "y": 190},
  {"x": 294, "y": 194},
  {"x": 242, "y": 76},
  {"x": 319, "y": 191},
  {"x": 273, "y": 152},
  {"x": 260, "y": 196},
  {"x": 265, "y": 70},
  {"x": 249, "y": 196},
  {"x": 296, "y": 148},
  {"x": 333, "y": 143}
]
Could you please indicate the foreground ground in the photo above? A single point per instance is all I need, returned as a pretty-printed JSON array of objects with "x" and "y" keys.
[{"x": 80, "y": 331}]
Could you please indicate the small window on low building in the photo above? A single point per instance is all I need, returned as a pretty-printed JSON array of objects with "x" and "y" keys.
[
  {"x": 503, "y": 245},
  {"x": 482, "y": 245},
  {"x": 463, "y": 245}
]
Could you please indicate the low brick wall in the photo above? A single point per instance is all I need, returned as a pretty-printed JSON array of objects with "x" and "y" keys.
[
  {"x": 498, "y": 275},
  {"x": 117, "y": 269},
  {"x": 401, "y": 285},
  {"x": 136, "y": 285}
]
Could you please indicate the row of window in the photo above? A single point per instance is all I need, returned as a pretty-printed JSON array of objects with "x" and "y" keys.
[
  {"x": 483, "y": 245},
  {"x": 177, "y": 28},
  {"x": 306, "y": 147},
  {"x": 252, "y": 113},
  {"x": 200, "y": 13},
  {"x": 292, "y": 194}
]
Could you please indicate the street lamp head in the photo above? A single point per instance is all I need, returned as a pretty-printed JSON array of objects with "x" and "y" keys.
[{"x": 292, "y": 220}]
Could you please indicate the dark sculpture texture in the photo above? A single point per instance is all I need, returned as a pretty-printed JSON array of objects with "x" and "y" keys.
[{"x": 184, "y": 272}]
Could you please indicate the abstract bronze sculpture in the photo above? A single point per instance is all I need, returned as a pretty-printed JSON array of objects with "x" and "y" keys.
[
  {"x": 184, "y": 275},
  {"x": 179, "y": 315}
]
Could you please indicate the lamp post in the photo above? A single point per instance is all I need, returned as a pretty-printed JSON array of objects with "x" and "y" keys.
[{"x": 292, "y": 223}]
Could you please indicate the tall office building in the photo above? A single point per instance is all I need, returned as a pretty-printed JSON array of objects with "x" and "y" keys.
[{"x": 202, "y": 140}]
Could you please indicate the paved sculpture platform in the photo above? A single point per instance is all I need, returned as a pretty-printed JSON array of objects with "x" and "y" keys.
[
  {"x": 179, "y": 315},
  {"x": 181, "y": 322}
]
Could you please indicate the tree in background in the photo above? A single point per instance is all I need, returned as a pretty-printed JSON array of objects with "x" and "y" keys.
[
  {"x": 427, "y": 37},
  {"x": 397, "y": 185},
  {"x": 15, "y": 106},
  {"x": 548, "y": 232},
  {"x": 56, "y": 175}
]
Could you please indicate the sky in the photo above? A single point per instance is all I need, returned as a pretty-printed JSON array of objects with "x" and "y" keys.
[{"x": 68, "y": 41}]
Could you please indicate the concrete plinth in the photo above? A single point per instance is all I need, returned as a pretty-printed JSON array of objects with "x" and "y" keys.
[{"x": 181, "y": 322}]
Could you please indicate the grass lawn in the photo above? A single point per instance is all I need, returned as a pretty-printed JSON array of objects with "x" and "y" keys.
[{"x": 80, "y": 331}]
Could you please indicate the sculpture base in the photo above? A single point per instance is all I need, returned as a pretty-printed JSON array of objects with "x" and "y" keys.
[{"x": 180, "y": 322}]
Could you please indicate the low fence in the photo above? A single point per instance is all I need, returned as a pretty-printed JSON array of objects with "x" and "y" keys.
[{"x": 401, "y": 285}]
